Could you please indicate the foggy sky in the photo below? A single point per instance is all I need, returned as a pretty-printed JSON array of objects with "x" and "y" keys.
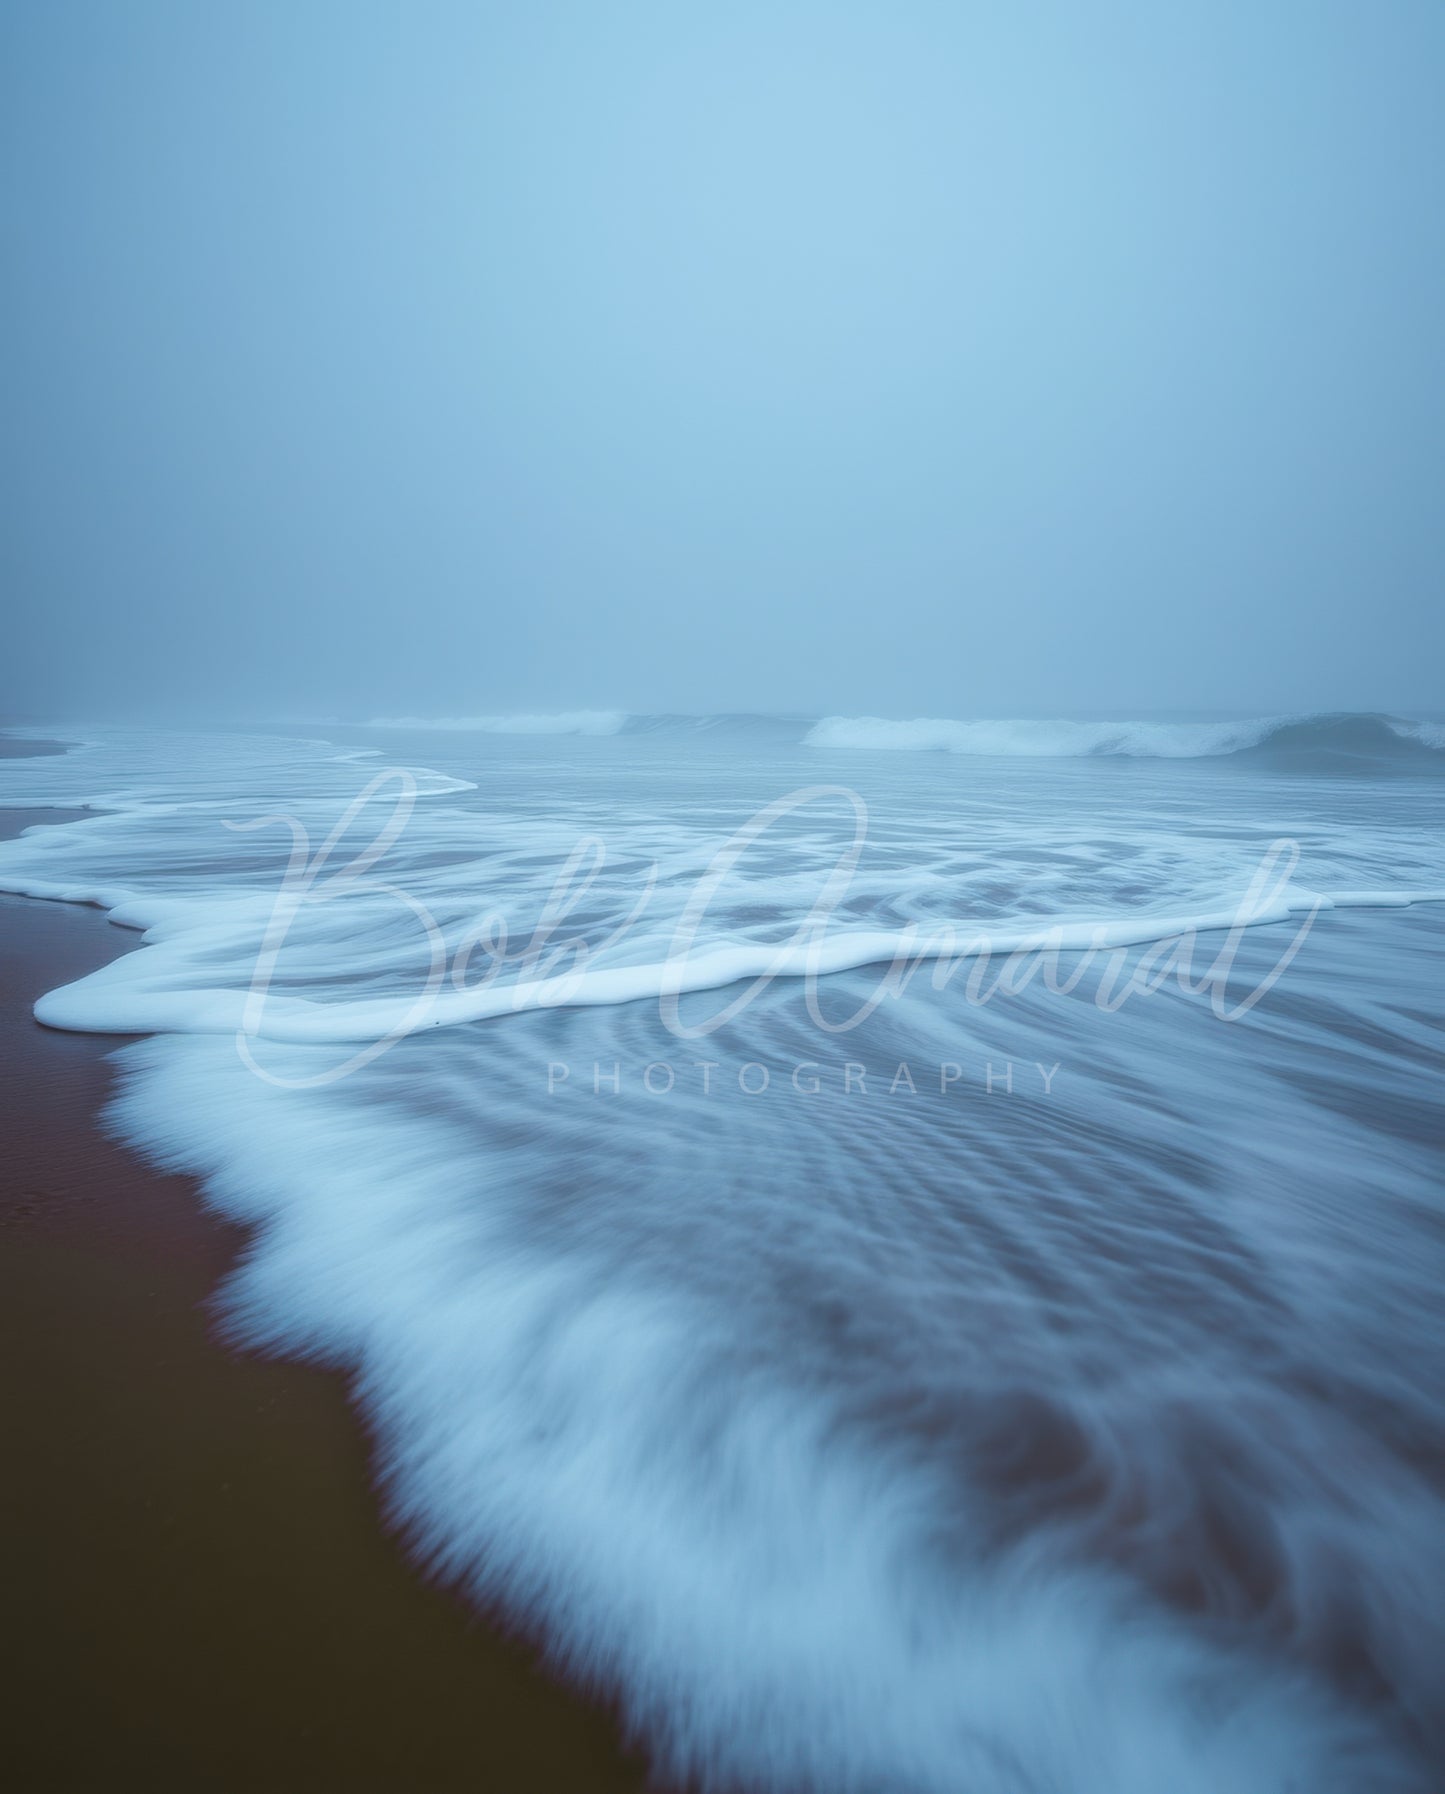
[{"x": 898, "y": 358}]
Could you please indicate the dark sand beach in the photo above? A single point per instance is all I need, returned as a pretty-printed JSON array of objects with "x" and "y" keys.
[{"x": 199, "y": 1590}]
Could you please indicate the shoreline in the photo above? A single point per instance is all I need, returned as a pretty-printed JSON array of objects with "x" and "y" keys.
[{"x": 201, "y": 1591}]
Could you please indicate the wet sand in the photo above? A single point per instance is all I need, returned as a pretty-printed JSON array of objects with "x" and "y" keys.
[{"x": 199, "y": 1592}]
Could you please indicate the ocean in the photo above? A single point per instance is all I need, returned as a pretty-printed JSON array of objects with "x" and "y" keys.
[{"x": 907, "y": 1254}]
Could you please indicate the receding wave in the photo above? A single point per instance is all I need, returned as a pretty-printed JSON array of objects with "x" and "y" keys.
[{"x": 1343, "y": 734}]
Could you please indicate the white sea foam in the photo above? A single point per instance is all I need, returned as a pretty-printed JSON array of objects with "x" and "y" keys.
[
  {"x": 172, "y": 989},
  {"x": 1430, "y": 735}
]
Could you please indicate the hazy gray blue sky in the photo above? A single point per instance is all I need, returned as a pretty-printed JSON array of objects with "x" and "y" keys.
[{"x": 906, "y": 358}]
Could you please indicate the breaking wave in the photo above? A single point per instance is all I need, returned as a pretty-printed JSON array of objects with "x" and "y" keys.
[
  {"x": 1336, "y": 734},
  {"x": 1333, "y": 741}
]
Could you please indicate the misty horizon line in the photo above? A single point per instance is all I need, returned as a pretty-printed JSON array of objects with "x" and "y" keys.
[{"x": 521, "y": 712}]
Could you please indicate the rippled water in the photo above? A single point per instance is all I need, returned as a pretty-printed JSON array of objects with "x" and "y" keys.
[{"x": 1038, "y": 1392}]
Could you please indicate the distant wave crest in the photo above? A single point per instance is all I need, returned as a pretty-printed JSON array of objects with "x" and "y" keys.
[
  {"x": 1336, "y": 733},
  {"x": 566, "y": 722}
]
